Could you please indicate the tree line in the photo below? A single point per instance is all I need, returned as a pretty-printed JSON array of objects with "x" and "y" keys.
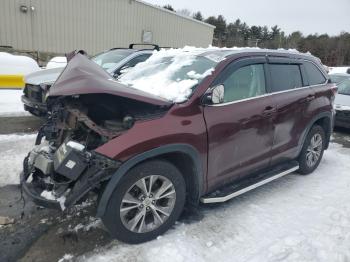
[{"x": 332, "y": 50}]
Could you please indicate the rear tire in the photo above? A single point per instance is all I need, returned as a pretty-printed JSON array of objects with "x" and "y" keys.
[
  {"x": 137, "y": 210},
  {"x": 312, "y": 151}
]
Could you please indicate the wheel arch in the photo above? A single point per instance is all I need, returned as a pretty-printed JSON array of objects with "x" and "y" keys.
[
  {"x": 325, "y": 120},
  {"x": 177, "y": 154}
]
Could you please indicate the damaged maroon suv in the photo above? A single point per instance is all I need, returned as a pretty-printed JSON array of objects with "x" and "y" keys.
[{"x": 184, "y": 127}]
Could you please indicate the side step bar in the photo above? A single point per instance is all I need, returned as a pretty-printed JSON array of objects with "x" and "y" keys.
[{"x": 239, "y": 189}]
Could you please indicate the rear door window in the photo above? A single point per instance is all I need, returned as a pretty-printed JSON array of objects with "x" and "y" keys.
[
  {"x": 285, "y": 77},
  {"x": 314, "y": 74}
]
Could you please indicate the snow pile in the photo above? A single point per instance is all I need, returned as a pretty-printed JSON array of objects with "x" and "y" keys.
[
  {"x": 66, "y": 257},
  {"x": 50, "y": 196},
  {"x": 57, "y": 61},
  {"x": 296, "y": 218},
  {"x": 14, "y": 148},
  {"x": 17, "y": 65},
  {"x": 11, "y": 104},
  {"x": 92, "y": 223},
  {"x": 161, "y": 82}
]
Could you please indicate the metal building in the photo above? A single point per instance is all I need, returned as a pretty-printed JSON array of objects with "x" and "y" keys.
[{"x": 60, "y": 26}]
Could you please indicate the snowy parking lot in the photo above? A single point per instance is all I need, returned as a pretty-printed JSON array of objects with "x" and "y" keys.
[
  {"x": 11, "y": 104},
  {"x": 296, "y": 218}
]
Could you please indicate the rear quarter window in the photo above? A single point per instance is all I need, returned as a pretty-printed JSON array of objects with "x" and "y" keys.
[
  {"x": 285, "y": 77},
  {"x": 314, "y": 75}
]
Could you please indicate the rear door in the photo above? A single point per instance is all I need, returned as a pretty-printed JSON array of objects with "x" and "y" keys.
[
  {"x": 240, "y": 129},
  {"x": 292, "y": 97}
]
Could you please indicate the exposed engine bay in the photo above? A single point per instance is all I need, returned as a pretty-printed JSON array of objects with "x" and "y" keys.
[{"x": 63, "y": 166}]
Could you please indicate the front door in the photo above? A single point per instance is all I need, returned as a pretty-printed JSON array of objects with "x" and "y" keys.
[{"x": 240, "y": 129}]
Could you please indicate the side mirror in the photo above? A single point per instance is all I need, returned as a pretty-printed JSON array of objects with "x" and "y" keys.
[{"x": 215, "y": 95}]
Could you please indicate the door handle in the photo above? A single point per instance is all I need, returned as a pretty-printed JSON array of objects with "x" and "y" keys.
[
  {"x": 269, "y": 110},
  {"x": 307, "y": 99},
  {"x": 310, "y": 98}
]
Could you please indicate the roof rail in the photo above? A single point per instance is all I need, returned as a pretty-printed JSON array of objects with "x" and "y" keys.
[{"x": 155, "y": 47}]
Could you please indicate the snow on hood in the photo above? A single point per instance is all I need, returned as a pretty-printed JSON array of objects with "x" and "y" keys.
[
  {"x": 45, "y": 76},
  {"x": 162, "y": 83},
  {"x": 57, "y": 61},
  {"x": 16, "y": 64}
]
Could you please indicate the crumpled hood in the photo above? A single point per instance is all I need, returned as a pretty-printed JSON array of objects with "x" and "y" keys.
[
  {"x": 45, "y": 76},
  {"x": 83, "y": 76},
  {"x": 343, "y": 100}
]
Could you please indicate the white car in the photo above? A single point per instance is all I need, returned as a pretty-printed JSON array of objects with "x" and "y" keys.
[
  {"x": 342, "y": 104},
  {"x": 339, "y": 69},
  {"x": 115, "y": 61}
]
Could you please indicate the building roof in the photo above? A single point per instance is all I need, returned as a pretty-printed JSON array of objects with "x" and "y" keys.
[{"x": 175, "y": 13}]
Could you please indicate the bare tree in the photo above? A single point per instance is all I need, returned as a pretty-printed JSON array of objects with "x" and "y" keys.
[{"x": 184, "y": 12}]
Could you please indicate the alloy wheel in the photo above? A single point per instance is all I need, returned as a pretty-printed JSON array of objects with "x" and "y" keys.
[
  {"x": 147, "y": 204},
  {"x": 314, "y": 150}
]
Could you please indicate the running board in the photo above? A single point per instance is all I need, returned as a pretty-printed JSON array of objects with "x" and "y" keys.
[{"x": 250, "y": 184}]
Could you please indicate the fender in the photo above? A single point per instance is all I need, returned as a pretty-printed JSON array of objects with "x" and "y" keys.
[
  {"x": 126, "y": 166},
  {"x": 312, "y": 122}
]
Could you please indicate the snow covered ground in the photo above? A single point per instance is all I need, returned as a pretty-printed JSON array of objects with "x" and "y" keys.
[
  {"x": 296, "y": 218},
  {"x": 11, "y": 104},
  {"x": 13, "y": 149}
]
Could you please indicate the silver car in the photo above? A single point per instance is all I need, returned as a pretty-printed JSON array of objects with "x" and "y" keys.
[{"x": 115, "y": 61}]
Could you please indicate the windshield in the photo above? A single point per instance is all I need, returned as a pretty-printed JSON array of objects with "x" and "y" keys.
[
  {"x": 110, "y": 59},
  {"x": 173, "y": 77},
  {"x": 344, "y": 87},
  {"x": 338, "y": 78}
]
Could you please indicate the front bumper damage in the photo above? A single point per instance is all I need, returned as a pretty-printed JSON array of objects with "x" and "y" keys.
[{"x": 58, "y": 178}]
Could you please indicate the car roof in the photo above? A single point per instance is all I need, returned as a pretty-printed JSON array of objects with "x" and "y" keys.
[{"x": 227, "y": 52}]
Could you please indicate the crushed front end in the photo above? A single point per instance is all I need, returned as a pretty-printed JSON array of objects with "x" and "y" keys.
[
  {"x": 86, "y": 109},
  {"x": 63, "y": 166}
]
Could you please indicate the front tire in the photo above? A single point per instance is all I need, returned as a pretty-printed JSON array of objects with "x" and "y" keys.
[
  {"x": 146, "y": 202},
  {"x": 312, "y": 151}
]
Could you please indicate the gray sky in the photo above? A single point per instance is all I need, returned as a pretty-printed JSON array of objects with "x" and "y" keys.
[{"x": 307, "y": 16}]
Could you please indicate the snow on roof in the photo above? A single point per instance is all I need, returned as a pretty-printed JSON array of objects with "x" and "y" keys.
[
  {"x": 158, "y": 77},
  {"x": 57, "y": 61},
  {"x": 16, "y": 64}
]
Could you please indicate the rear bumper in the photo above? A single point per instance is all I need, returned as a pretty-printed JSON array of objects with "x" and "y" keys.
[{"x": 34, "y": 107}]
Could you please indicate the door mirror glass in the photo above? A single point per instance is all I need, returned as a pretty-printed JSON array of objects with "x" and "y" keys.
[{"x": 217, "y": 95}]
